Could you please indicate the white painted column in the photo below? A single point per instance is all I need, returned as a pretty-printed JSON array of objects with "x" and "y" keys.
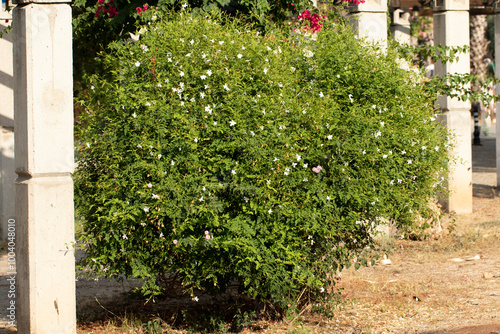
[
  {"x": 451, "y": 28},
  {"x": 43, "y": 104},
  {"x": 7, "y": 170},
  {"x": 497, "y": 75},
  {"x": 400, "y": 26},
  {"x": 369, "y": 20}
]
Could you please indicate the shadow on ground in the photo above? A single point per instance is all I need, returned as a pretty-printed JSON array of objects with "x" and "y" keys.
[{"x": 482, "y": 329}]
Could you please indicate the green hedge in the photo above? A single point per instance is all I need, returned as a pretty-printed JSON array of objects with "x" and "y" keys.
[{"x": 223, "y": 156}]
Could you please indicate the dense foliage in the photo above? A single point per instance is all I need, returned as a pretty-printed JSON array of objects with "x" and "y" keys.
[{"x": 221, "y": 156}]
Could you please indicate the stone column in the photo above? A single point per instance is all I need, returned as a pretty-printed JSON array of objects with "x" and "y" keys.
[
  {"x": 451, "y": 28},
  {"x": 400, "y": 26},
  {"x": 44, "y": 160},
  {"x": 497, "y": 88},
  {"x": 369, "y": 20},
  {"x": 7, "y": 170}
]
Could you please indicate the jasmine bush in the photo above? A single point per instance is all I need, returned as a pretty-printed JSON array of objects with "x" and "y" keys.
[{"x": 221, "y": 156}]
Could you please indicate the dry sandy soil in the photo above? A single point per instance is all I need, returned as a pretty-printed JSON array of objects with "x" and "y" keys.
[{"x": 445, "y": 285}]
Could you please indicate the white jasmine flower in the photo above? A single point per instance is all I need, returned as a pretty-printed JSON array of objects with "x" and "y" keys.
[
  {"x": 209, "y": 72},
  {"x": 159, "y": 156},
  {"x": 181, "y": 74},
  {"x": 154, "y": 196},
  {"x": 252, "y": 133},
  {"x": 172, "y": 163},
  {"x": 321, "y": 94},
  {"x": 124, "y": 237},
  {"x": 384, "y": 156},
  {"x": 436, "y": 148},
  {"x": 403, "y": 152},
  {"x": 409, "y": 162},
  {"x": 270, "y": 211},
  {"x": 226, "y": 87},
  {"x": 424, "y": 147},
  {"x": 329, "y": 137},
  {"x": 239, "y": 56},
  {"x": 350, "y": 98},
  {"x": 265, "y": 70},
  {"x": 203, "y": 77},
  {"x": 233, "y": 172},
  {"x": 305, "y": 179},
  {"x": 232, "y": 123},
  {"x": 382, "y": 123},
  {"x": 201, "y": 199},
  {"x": 196, "y": 140},
  {"x": 137, "y": 64},
  {"x": 146, "y": 209}
]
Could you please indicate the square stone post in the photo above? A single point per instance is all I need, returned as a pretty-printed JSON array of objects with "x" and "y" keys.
[
  {"x": 44, "y": 160},
  {"x": 497, "y": 88},
  {"x": 7, "y": 169},
  {"x": 400, "y": 26},
  {"x": 369, "y": 20},
  {"x": 451, "y": 28}
]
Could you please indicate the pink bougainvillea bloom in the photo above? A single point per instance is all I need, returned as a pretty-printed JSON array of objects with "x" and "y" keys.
[
  {"x": 145, "y": 7},
  {"x": 139, "y": 10},
  {"x": 101, "y": 2}
]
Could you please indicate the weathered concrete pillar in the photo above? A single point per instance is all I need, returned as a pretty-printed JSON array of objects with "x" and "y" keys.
[
  {"x": 7, "y": 170},
  {"x": 451, "y": 28},
  {"x": 369, "y": 20},
  {"x": 400, "y": 26},
  {"x": 497, "y": 89},
  {"x": 43, "y": 105}
]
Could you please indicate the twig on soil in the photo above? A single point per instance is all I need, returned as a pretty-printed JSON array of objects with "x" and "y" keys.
[{"x": 104, "y": 307}]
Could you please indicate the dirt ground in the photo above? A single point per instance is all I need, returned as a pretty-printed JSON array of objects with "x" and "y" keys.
[{"x": 445, "y": 285}]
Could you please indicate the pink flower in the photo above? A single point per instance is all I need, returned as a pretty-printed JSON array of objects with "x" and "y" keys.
[
  {"x": 175, "y": 242},
  {"x": 139, "y": 10},
  {"x": 150, "y": 185},
  {"x": 145, "y": 7},
  {"x": 207, "y": 237},
  {"x": 317, "y": 169},
  {"x": 207, "y": 233}
]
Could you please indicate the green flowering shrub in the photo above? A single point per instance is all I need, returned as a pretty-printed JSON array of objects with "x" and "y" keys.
[{"x": 218, "y": 156}]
